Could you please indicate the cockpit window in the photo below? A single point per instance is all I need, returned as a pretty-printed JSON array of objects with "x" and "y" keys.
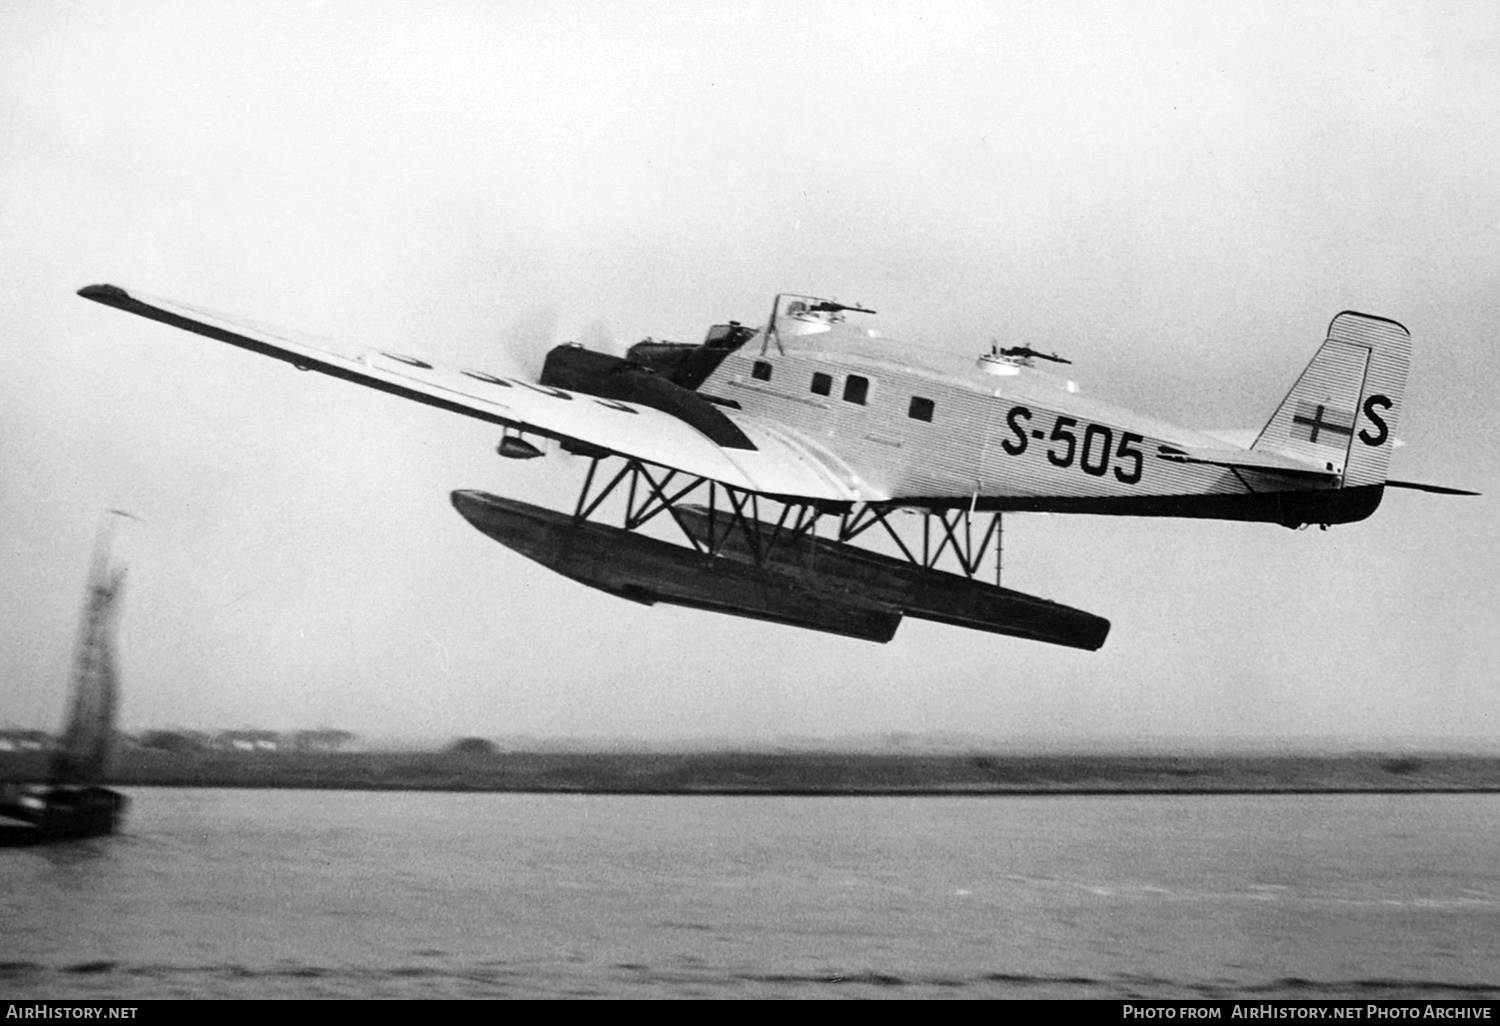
[
  {"x": 856, "y": 389},
  {"x": 727, "y": 336}
]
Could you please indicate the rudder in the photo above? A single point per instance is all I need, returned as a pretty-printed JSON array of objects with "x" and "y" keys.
[{"x": 1343, "y": 410}]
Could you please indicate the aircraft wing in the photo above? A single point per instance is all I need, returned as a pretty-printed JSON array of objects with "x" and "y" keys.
[
  {"x": 1245, "y": 459},
  {"x": 778, "y": 465}
]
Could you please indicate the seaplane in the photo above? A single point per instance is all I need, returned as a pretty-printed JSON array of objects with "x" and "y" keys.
[{"x": 775, "y": 457}]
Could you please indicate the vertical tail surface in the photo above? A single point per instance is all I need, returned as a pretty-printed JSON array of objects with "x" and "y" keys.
[{"x": 1343, "y": 410}]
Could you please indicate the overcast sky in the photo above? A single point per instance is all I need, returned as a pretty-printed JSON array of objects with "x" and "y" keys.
[{"x": 1177, "y": 196}]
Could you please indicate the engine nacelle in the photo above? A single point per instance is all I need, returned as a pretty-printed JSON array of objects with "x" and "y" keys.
[{"x": 609, "y": 377}]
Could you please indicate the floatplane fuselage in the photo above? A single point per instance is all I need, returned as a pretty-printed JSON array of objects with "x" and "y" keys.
[{"x": 752, "y": 440}]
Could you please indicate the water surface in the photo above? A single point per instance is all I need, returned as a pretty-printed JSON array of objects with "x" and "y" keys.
[{"x": 216, "y": 893}]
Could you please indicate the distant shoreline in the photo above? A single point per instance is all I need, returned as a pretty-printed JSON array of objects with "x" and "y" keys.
[{"x": 808, "y": 773}]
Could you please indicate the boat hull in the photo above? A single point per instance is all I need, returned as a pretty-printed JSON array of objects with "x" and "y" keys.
[{"x": 53, "y": 812}]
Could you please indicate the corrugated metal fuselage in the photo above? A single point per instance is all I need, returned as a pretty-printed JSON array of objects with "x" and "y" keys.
[{"x": 998, "y": 435}]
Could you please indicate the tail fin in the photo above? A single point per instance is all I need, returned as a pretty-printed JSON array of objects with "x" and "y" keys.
[{"x": 1343, "y": 410}]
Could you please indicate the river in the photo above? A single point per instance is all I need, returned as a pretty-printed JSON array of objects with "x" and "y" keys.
[{"x": 234, "y": 893}]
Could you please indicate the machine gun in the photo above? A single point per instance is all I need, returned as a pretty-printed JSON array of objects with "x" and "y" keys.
[{"x": 1027, "y": 353}]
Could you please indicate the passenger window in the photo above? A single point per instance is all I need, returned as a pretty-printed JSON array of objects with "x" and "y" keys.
[
  {"x": 822, "y": 384},
  {"x": 856, "y": 389},
  {"x": 761, "y": 371},
  {"x": 921, "y": 409}
]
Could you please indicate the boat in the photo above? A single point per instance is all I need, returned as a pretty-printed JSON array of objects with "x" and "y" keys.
[{"x": 71, "y": 803}]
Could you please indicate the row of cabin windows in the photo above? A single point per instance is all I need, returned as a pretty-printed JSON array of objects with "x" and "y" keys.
[{"x": 856, "y": 390}]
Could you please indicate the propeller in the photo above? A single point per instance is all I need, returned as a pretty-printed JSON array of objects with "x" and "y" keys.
[{"x": 528, "y": 338}]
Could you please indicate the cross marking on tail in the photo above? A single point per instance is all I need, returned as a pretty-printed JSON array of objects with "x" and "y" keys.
[{"x": 1316, "y": 423}]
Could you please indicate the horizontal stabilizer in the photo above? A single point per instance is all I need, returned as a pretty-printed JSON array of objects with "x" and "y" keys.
[
  {"x": 1246, "y": 459},
  {"x": 1436, "y": 489}
]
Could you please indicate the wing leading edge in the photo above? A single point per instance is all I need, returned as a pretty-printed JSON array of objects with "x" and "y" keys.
[{"x": 777, "y": 465}]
